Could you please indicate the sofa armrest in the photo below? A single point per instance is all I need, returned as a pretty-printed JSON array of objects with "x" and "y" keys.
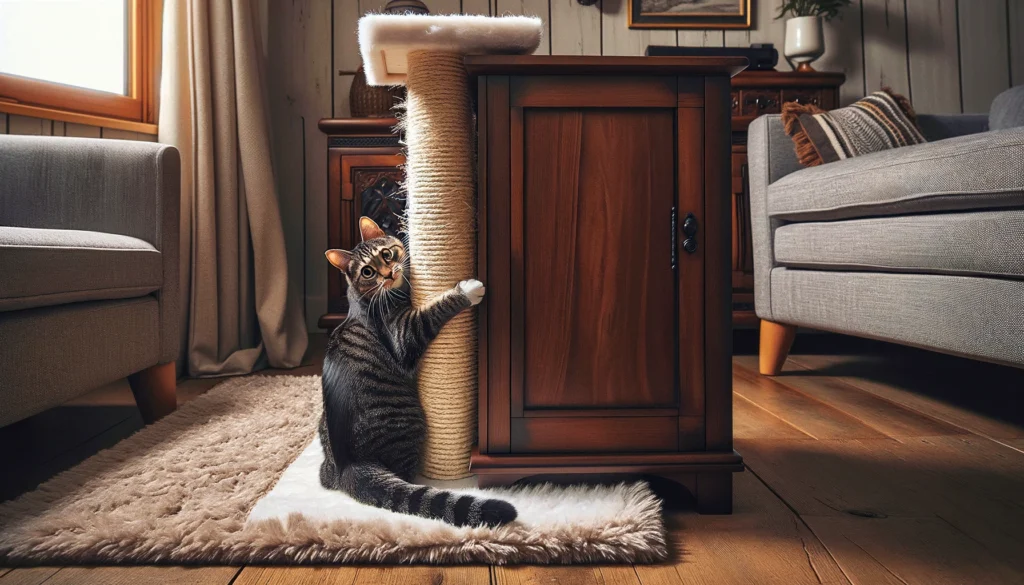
[
  {"x": 770, "y": 156},
  {"x": 111, "y": 186},
  {"x": 936, "y": 127}
]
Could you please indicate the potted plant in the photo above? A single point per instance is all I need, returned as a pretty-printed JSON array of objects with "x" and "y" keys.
[{"x": 805, "y": 40}]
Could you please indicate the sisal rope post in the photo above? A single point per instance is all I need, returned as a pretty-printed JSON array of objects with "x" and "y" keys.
[{"x": 441, "y": 221}]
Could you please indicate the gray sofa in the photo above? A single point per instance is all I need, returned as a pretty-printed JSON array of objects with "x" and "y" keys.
[
  {"x": 88, "y": 271},
  {"x": 922, "y": 245}
]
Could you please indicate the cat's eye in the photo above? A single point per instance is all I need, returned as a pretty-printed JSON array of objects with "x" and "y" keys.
[
  {"x": 386, "y": 255},
  {"x": 367, "y": 272}
]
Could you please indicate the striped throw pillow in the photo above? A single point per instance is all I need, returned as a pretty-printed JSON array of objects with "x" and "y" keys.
[{"x": 880, "y": 121}]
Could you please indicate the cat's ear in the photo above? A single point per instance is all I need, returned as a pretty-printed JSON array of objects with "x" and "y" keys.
[
  {"x": 369, "y": 229},
  {"x": 339, "y": 259}
]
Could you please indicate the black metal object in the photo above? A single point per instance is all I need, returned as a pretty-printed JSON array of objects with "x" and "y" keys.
[
  {"x": 672, "y": 221},
  {"x": 690, "y": 230}
]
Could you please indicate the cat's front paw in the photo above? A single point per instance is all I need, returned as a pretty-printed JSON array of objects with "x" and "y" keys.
[{"x": 473, "y": 290}]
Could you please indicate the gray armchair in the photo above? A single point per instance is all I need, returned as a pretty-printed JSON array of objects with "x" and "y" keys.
[
  {"x": 88, "y": 271},
  {"x": 922, "y": 245}
]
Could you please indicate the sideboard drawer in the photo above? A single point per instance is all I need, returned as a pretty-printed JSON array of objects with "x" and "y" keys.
[
  {"x": 757, "y": 102},
  {"x": 802, "y": 96},
  {"x": 614, "y": 434}
]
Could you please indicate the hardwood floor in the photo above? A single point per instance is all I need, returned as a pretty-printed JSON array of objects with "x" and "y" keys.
[{"x": 867, "y": 464}]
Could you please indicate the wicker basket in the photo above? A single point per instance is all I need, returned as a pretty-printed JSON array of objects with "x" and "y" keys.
[{"x": 367, "y": 101}]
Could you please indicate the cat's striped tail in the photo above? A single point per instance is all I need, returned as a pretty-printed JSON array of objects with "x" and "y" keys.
[{"x": 377, "y": 486}]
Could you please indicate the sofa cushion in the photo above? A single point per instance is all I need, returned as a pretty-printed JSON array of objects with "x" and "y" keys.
[
  {"x": 44, "y": 267},
  {"x": 1007, "y": 109},
  {"x": 989, "y": 243},
  {"x": 977, "y": 171}
]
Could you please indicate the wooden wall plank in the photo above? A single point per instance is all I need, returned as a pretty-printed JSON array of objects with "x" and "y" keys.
[
  {"x": 934, "y": 60},
  {"x": 58, "y": 128},
  {"x": 476, "y": 7},
  {"x": 539, "y": 8},
  {"x": 116, "y": 134},
  {"x": 885, "y": 46},
  {"x": 701, "y": 38},
  {"x": 300, "y": 95},
  {"x": 3, "y": 123},
  {"x": 578, "y": 28},
  {"x": 764, "y": 29},
  {"x": 81, "y": 130},
  {"x": 26, "y": 126},
  {"x": 445, "y": 6},
  {"x": 844, "y": 52},
  {"x": 346, "y": 53},
  {"x": 1016, "y": 27},
  {"x": 618, "y": 39},
  {"x": 984, "y": 52}
]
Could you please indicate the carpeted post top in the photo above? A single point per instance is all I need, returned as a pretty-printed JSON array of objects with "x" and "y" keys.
[{"x": 385, "y": 40}]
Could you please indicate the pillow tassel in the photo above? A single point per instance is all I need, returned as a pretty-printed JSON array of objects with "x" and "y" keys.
[{"x": 806, "y": 153}]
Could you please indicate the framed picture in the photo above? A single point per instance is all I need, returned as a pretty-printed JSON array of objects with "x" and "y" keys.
[{"x": 689, "y": 13}]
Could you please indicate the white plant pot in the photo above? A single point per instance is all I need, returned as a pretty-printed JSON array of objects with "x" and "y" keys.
[{"x": 805, "y": 41}]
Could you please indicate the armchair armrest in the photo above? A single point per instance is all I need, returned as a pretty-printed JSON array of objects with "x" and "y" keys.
[
  {"x": 935, "y": 127},
  {"x": 111, "y": 186},
  {"x": 770, "y": 156}
]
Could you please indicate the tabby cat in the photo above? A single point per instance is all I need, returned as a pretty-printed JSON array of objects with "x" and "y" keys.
[{"x": 373, "y": 427}]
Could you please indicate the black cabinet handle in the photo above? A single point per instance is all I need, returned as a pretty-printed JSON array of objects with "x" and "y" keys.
[{"x": 690, "y": 230}]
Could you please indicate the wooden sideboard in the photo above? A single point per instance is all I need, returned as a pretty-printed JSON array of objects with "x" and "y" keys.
[{"x": 364, "y": 159}]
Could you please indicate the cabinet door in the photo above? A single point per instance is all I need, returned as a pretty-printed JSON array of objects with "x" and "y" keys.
[{"x": 586, "y": 358}]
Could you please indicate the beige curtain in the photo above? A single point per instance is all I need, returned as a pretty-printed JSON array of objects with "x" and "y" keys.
[{"x": 239, "y": 314}]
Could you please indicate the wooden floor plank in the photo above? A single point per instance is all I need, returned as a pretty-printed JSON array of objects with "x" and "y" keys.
[
  {"x": 28, "y": 576},
  {"x": 555, "y": 575},
  {"x": 421, "y": 575},
  {"x": 296, "y": 576},
  {"x": 811, "y": 416},
  {"x": 971, "y": 482},
  {"x": 762, "y": 542},
  {"x": 142, "y": 576},
  {"x": 890, "y": 418},
  {"x": 909, "y": 551},
  {"x": 753, "y": 422},
  {"x": 4, "y": 571},
  {"x": 945, "y": 395}
]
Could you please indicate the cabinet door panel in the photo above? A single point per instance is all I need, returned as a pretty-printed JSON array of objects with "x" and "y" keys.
[
  {"x": 594, "y": 435},
  {"x": 599, "y": 292}
]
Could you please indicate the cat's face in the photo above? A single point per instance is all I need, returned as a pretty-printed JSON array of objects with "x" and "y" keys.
[{"x": 375, "y": 268}]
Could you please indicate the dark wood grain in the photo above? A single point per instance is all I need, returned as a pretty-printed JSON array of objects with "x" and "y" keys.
[
  {"x": 594, "y": 275},
  {"x": 594, "y": 92},
  {"x": 594, "y": 434},
  {"x": 717, "y": 274},
  {"x": 603, "y": 65},
  {"x": 499, "y": 252},
  {"x": 358, "y": 126},
  {"x": 690, "y": 171},
  {"x": 483, "y": 398}
]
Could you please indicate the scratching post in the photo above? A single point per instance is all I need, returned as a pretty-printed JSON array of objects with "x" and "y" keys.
[
  {"x": 425, "y": 54},
  {"x": 440, "y": 222}
]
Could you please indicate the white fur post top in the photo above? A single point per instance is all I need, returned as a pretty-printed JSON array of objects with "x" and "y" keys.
[{"x": 385, "y": 40}]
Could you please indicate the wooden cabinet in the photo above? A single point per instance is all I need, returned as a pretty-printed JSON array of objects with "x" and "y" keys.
[
  {"x": 604, "y": 242},
  {"x": 755, "y": 93},
  {"x": 364, "y": 173}
]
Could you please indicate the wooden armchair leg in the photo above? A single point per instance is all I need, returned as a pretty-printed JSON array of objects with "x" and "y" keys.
[
  {"x": 155, "y": 390},
  {"x": 776, "y": 341}
]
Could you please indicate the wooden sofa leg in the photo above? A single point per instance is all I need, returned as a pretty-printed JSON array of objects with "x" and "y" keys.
[
  {"x": 156, "y": 391},
  {"x": 776, "y": 341}
]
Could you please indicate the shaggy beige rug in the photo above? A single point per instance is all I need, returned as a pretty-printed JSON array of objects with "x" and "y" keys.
[{"x": 199, "y": 487}]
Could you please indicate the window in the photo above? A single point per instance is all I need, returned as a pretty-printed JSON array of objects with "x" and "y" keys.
[{"x": 87, "y": 57}]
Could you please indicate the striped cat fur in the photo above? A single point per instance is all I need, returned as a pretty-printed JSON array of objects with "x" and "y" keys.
[{"x": 373, "y": 427}]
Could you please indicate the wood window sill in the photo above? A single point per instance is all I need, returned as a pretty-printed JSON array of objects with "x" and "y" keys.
[{"x": 76, "y": 117}]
